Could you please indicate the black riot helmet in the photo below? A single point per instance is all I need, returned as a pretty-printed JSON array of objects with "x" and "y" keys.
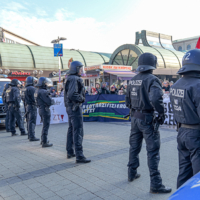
[
  {"x": 146, "y": 62},
  {"x": 15, "y": 82},
  {"x": 190, "y": 62},
  {"x": 6, "y": 86},
  {"x": 75, "y": 68},
  {"x": 30, "y": 80},
  {"x": 44, "y": 82}
]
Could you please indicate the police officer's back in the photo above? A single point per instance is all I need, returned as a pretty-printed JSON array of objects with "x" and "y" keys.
[
  {"x": 74, "y": 96},
  {"x": 144, "y": 95},
  {"x": 44, "y": 102},
  {"x": 185, "y": 99},
  {"x": 31, "y": 109},
  {"x": 6, "y": 86},
  {"x": 13, "y": 99}
]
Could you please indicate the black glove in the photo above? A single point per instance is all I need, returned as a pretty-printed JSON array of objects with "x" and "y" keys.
[{"x": 161, "y": 118}]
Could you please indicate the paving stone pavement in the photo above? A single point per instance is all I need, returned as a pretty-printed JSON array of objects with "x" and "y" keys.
[{"x": 30, "y": 172}]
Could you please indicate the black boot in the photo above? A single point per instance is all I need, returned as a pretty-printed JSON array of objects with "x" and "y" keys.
[
  {"x": 132, "y": 178},
  {"x": 22, "y": 134},
  {"x": 132, "y": 174},
  {"x": 160, "y": 190},
  {"x": 34, "y": 139},
  {"x": 14, "y": 134},
  {"x": 46, "y": 145},
  {"x": 83, "y": 160},
  {"x": 41, "y": 142},
  {"x": 70, "y": 155}
]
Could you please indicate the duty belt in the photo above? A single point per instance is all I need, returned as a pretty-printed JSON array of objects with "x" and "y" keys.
[
  {"x": 141, "y": 114},
  {"x": 192, "y": 126}
]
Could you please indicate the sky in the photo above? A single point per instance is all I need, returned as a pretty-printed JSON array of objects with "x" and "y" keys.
[{"x": 98, "y": 25}]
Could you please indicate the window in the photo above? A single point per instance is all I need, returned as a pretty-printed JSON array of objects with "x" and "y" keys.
[
  {"x": 180, "y": 48},
  {"x": 188, "y": 47}
]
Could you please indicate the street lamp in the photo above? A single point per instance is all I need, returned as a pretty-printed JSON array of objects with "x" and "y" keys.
[{"x": 56, "y": 41}]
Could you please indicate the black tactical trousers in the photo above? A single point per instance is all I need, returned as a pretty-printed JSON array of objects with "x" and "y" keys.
[
  {"x": 31, "y": 120},
  {"x": 140, "y": 130},
  {"x": 75, "y": 132},
  {"x": 45, "y": 114},
  {"x": 7, "y": 123},
  {"x": 189, "y": 154},
  {"x": 15, "y": 115}
]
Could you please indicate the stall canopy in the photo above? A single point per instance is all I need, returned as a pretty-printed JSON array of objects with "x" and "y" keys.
[{"x": 122, "y": 74}]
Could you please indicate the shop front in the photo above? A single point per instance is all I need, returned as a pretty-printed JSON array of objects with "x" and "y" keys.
[{"x": 110, "y": 74}]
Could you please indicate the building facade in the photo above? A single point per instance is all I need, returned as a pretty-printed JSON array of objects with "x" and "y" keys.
[
  {"x": 169, "y": 60},
  {"x": 10, "y": 37},
  {"x": 185, "y": 44}
]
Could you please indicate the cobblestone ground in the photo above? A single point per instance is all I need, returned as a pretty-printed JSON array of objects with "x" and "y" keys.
[{"x": 29, "y": 172}]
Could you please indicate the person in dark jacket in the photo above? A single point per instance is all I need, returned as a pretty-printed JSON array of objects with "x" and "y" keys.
[
  {"x": 31, "y": 109},
  {"x": 113, "y": 90},
  {"x": 7, "y": 123},
  {"x": 144, "y": 95},
  {"x": 13, "y": 99},
  {"x": 74, "y": 96},
  {"x": 44, "y": 101},
  {"x": 103, "y": 89},
  {"x": 185, "y": 100}
]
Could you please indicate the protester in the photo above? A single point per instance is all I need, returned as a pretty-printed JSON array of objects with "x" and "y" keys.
[
  {"x": 53, "y": 93},
  {"x": 171, "y": 83},
  {"x": 93, "y": 91},
  {"x": 113, "y": 90},
  {"x": 104, "y": 90},
  {"x": 98, "y": 88},
  {"x": 61, "y": 92},
  {"x": 166, "y": 86}
]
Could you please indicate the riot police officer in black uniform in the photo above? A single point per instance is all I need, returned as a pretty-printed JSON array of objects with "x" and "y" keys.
[
  {"x": 144, "y": 95},
  {"x": 6, "y": 86},
  {"x": 185, "y": 99},
  {"x": 74, "y": 96},
  {"x": 31, "y": 109},
  {"x": 44, "y": 102},
  {"x": 13, "y": 99}
]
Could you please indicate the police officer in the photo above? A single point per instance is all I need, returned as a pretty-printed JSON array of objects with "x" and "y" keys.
[
  {"x": 185, "y": 99},
  {"x": 144, "y": 95},
  {"x": 13, "y": 99},
  {"x": 74, "y": 96},
  {"x": 6, "y": 86},
  {"x": 44, "y": 102},
  {"x": 31, "y": 109}
]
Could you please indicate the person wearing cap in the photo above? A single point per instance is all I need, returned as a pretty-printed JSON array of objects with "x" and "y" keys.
[
  {"x": 144, "y": 95},
  {"x": 185, "y": 100}
]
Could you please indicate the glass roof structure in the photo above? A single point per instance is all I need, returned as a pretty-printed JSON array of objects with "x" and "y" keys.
[
  {"x": 28, "y": 57},
  {"x": 128, "y": 54}
]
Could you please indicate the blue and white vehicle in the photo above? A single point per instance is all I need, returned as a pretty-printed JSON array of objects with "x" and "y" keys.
[
  {"x": 188, "y": 191},
  {"x": 3, "y": 81}
]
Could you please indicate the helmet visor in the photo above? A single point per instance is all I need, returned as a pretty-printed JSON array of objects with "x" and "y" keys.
[
  {"x": 19, "y": 83},
  {"x": 48, "y": 82},
  {"x": 35, "y": 80}
]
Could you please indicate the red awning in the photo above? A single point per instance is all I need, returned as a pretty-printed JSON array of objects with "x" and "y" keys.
[{"x": 18, "y": 78}]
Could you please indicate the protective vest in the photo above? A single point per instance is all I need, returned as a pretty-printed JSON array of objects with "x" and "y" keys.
[
  {"x": 185, "y": 100},
  {"x": 144, "y": 93}
]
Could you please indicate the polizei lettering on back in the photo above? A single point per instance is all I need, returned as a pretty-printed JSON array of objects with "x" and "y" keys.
[
  {"x": 177, "y": 92},
  {"x": 135, "y": 82}
]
